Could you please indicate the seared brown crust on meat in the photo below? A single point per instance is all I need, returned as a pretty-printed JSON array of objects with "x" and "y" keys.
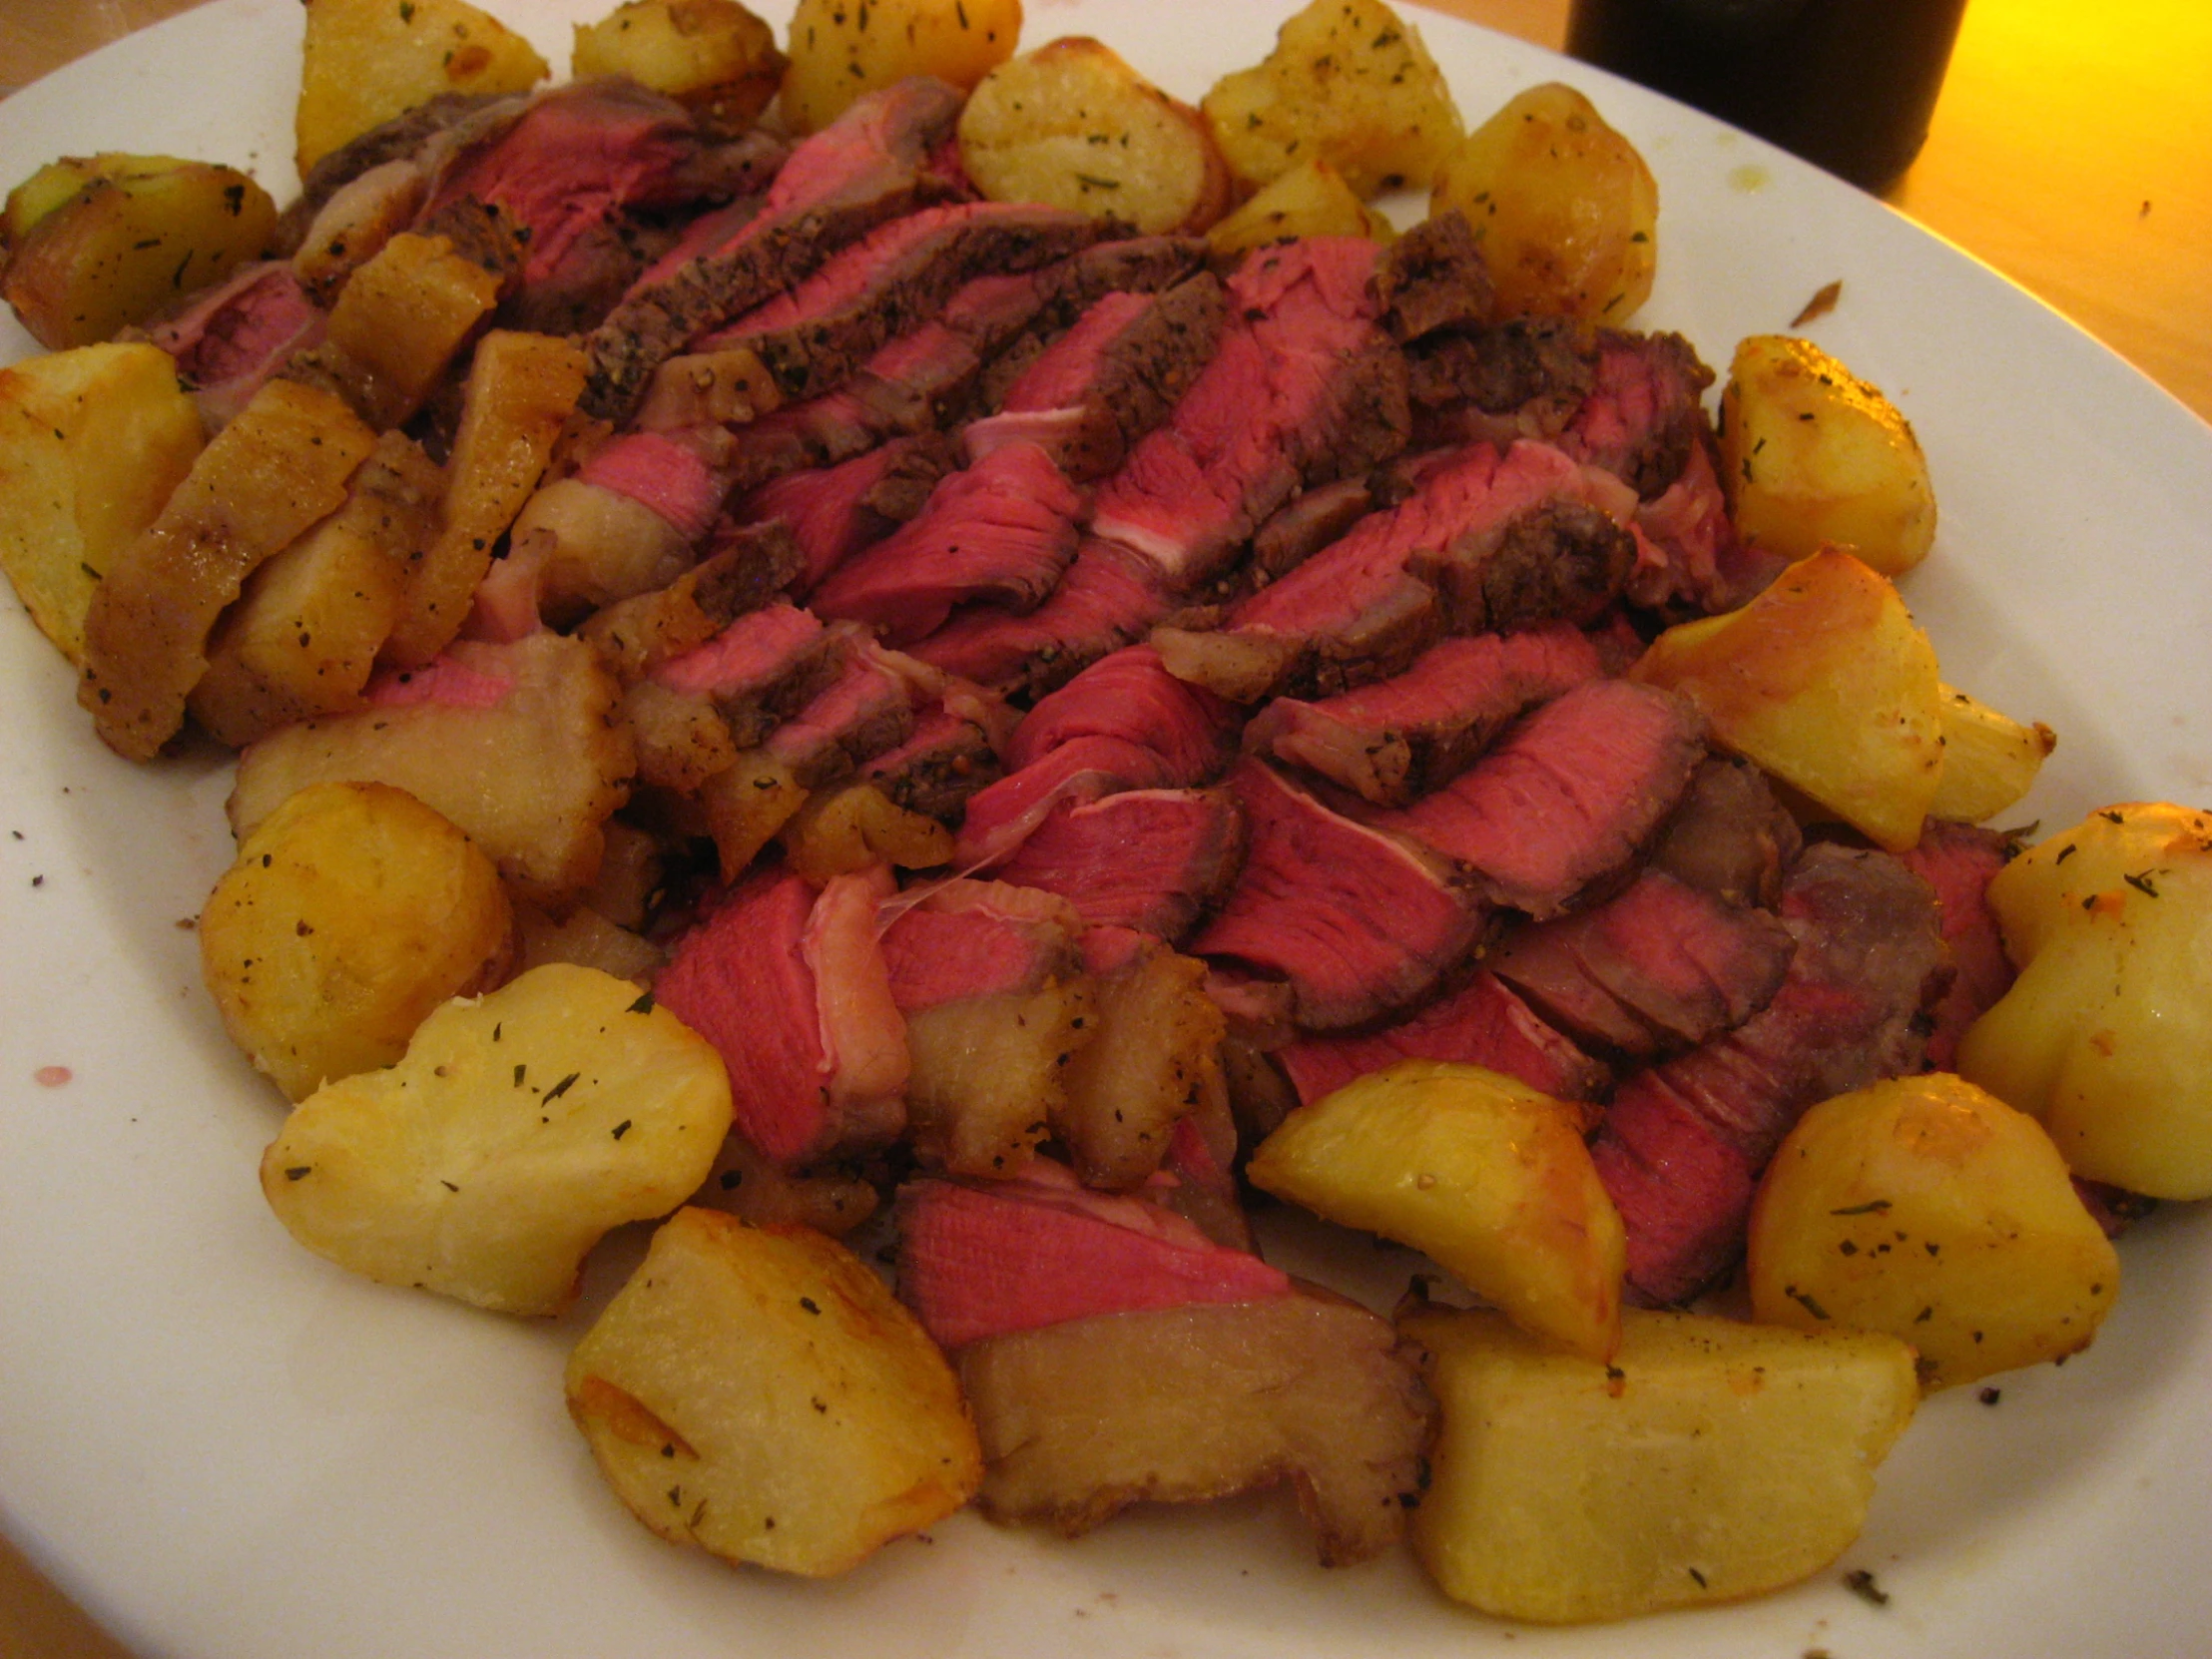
[
  {"x": 1433, "y": 277},
  {"x": 1537, "y": 369},
  {"x": 395, "y": 139},
  {"x": 749, "y": 568}
]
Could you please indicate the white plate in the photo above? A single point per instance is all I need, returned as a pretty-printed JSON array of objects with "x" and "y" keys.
[{"x": 227, "y": 1448}]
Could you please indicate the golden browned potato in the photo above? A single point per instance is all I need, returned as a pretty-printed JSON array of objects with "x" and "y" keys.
[
  {"x": 758, "y": 1392},
  {"x": 1564, "y": 210},
  {"x": 1811, "y": 455},
  {"x": 988, "y": 1074},
  {"x": 1312, "y": 200},
  {"x": 2107, "y": 1035},
  {"x": 1709, "y": 1461},
  {"x": 521, "y": 388},
  {"x": 304, "y": 633},
  {"x": 284, "y": 463},
  {"x": 1152, "y": 1054},
  {"x": 843, "y": 829},
  {"x": 1182, "y": 1404},
  {"x": 1485, "y": 1175},
  {"x": 1827, "y": 682},
  {"x": 97, "y": 242},
  {"x": 829, "y": 1198},
  {"x": 1989, "y": 759},
  {"x": 518, "y": 1128},
  {"x": 1075, "y": 127},
  {"x": 840, "y": 49},
  {"x": 713, "y": 56},
  {"x": 369, "y": 60},
  {"x": 401, "y": 319},
  {"x": 352, "y": 913},
  {"x": 746, "y": 804},
  {"x": 1928, "y": 1209},
  {"x": 1348, "y": 83},
  {"x": 584, "y": 939},
  {"x": 92, "y": 442},
  {"x": 526, "y": 755}
]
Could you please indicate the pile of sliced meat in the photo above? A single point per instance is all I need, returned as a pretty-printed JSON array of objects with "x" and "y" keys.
[{"x": 1262, "y": 625}]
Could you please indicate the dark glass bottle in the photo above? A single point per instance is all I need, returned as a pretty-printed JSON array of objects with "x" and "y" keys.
[{"x": 1846, "y": 84}]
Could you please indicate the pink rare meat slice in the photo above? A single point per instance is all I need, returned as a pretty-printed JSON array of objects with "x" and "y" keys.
[
  {"x": 791, "y": 989},
  {"x": 835, "y": 512},
  {"x": 1000, "y": 817},
  {"x": 978, "y": 1262},
  {"x": 975, "y": 938},
  {"x": 1129, "y": 694},
  {"x": 1003, "y": 530},
  {"x": 1481, "y": 1025},
  {"x": 1107, "y": 598},
  {"x": 1957, "y": 861},
  {"x": 1149, "y": 859},
  {"x": 1567, "y": 799},
  {"x": 1356, "y": 920},
  {"x": 868, "y": 708},
  {"x": 231, "y": 338},
  {"x": 661, "y": 472}
]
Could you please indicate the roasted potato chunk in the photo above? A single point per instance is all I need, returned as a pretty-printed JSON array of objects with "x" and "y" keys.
[
  {"x": 711, "y": 56},
  {"x": 1483, "y": 1174},
  {"x": 526, "y": 755},
  {"x": 758, "y": 1392},
  {"x": 1989, "y": 759},
  {"x": 518, "y": 1128},
  {"x": 302, "y": 638},
  {"x": 352, "y": 913},
  {"x": 585, "y": 939},
  {"x": 1348, "y": 83},
  {"x": 369, "y": 60},
  {"x": 97, "y": 242},
  {"x": 840, "y": 50},
  {"x": 1203, "y": 1402},
  {"x": 401, "y": 319},
  {"x": 1711, "y": 1460},
  {"x": 92, "y": 443},
  {"x": 1075, "y": 127},
  {"x": 841, "y": 830},
  {"x": 746, "y": 804},
  {"x": 284, "y": 463},
  {"x": 2107, "y": 1035},
  {"x": 829, "y": 1198},
  {"x": 1812, "y": 455},
  {"x": 1564, "y": 210},
  {"x": 1928, "y": 1209},
  {"x": 1151, "y": 1054},
  {"x": 988, "y": 1074},
  {"x": 1312, "y": 200},
  {"x": 1827, "y": 682}
]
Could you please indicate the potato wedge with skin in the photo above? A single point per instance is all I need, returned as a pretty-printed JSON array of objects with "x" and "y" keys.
[
  {"x": 2106, "y": 1037},
  {"x": 1712, "y": 1460},
  {"x": 1483, "y": 1174},
  {"x": 280, "y": 465},
  {"x": 400, "y": 320},
  {"x": 1564, "y": 207},
  {"x": 92, "y": 445},
  {"x": 302, "y": 638},
  {"x": 1348, "y": 83},
  {"x": 1827, "y": 682},
  {"x": 759, "y": 1393},
  {"x": 1931, "y": 1210},
  {"x": 530, "y": 773},
  {"x": 1989, "y": 759},
  {"x": 352, "y": 913},
  {"x": 134, "y": 234},
  {"x": 711, "y": 56},
  {"x": 518, "y": 1128},
  {"x": 1312, "y": 200},
  {"x": 1151, "y": 1054},
  {"x": 1812, "y": 456},
  {"x": 1203, "y": 1402},
  {"x": 369, "y": 60},
  {"x": 839, "y": 50},
  {"x": 1074, "y": 127},
  {"x": 521, "y": 388}
]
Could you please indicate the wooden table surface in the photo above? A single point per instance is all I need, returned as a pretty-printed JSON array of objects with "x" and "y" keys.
[{"x": 2071, "y": 150}]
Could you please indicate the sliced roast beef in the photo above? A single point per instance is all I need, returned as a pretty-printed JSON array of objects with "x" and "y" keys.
[
  {"x": 1001, "y": 531},
  {"x": 835, "y": 512},
  {"x": 1107, "y": 598},
  {"x": 1148, "y": 859},
  {"x": 866, "y": 711},
  {"x": 1433, "y": 277},
  {"x": 1481, "y": 528},
  {"x": 975, "y": 938},
  {"x": 1658, "y": 968},
  {"x": 1000, "y": 817},
  {"x": 1957, "y": 861},
  {"x": 893, "y": 279},
  {"x": 1730, "y": 837},
  {"x": 1108, "y": 380},
  {"x": 744, "y": 569},
  {"x": 1567, "y": 799},
  {"x": 1129, "y": 694},
  {"x": 1310, "y": 522},
  {"x": 230, "y": 339},
  {"x": 401, "y": 139},
  {"x": 1481, "y": 1025},
  {"x": 1403, "y": 737},
  {"x": 1357, "y": 921},
  {"x": 760, "y": 671},
  {"x": 1643, "y": 417},
  {"x": 791, "y": 988},
  {"x": 1304, "y": 389},
  {"x": 863, "y": 169},
  {"x": 674, "y": 474},
  {"x": 953, "y": 754},
  {"x": 1685, "y": 1140},
  {"x": 1523, "y": 379},
  {"x": 977, "y": 1262}
]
